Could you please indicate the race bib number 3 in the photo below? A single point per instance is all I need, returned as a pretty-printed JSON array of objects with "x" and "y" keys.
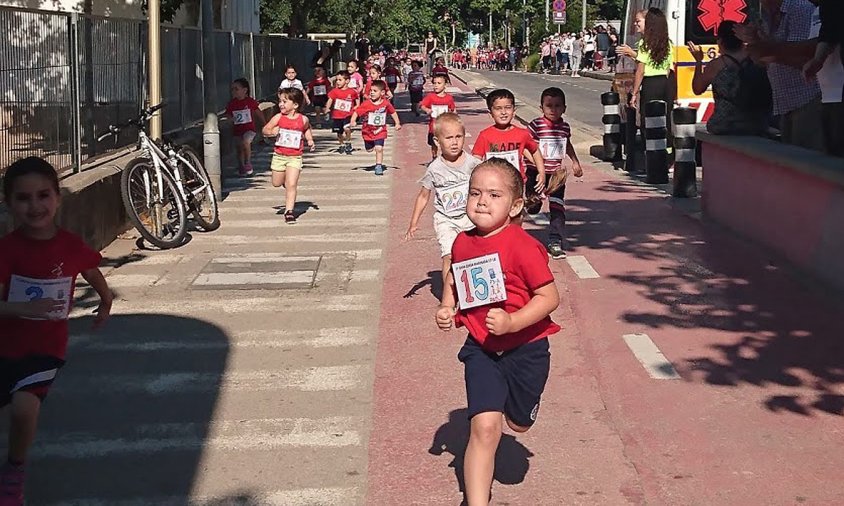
[
  {"x": 513, "y": 157},
  {"x": 553, "y": 149},
  {"x": 242, "y": 117},
  {"x": 377, "y": 118},
  {"x": 289, "y": 139},
  {"x": 343, "y": 105},
  {"x": 479, "y": 281},
  {"x": 436, "y": 110},
  {"x": 23, "y": 289}
]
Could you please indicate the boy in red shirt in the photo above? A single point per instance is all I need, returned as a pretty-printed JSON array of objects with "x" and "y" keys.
[
  {"x": 342, "y": 101},
  {"x": 501, "y": 289},
  {"x": 415, "y": 85},
  {"x": 374, "y": 113},
  {"x": 440, "y": 69},
  {"x": 243, "y": 109},
  {"x": 435, "y": 104},
  {"x": 507, "y": 141},
  {"x": 318, "y": 90},
  {"x": 392, "y": 75},
  {"x": 39, "y": 263}
]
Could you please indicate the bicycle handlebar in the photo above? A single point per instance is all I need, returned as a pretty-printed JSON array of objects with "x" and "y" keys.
[{"x": 142, "y": 118}]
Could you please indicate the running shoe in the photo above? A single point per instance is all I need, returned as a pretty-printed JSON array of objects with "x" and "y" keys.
[
  {"x": 555, "y": 250},
  {"x": 379, "y": 169},
  {"x": 11, "y": 485},
  {"x": 349, "y": 148},
  {"x": 290, "y": 218},
  {"x": 247, "y": 169}
]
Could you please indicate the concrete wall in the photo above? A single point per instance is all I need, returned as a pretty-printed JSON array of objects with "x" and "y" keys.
[{"x": 788, "y": 199}]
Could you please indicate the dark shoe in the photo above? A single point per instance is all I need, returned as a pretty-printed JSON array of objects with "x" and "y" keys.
[
  {"x": 555, "y": 250},
  {"x": 349, "y": 148},
  {"x": 290, "y": 218},
  {"x": 379, "y": 170}
]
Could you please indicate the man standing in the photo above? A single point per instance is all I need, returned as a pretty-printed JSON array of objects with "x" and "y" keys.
[{"x": 363, "y": 47}]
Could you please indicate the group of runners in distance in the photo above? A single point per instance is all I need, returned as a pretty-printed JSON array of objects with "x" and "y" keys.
[{"x": 497, "y": 281}]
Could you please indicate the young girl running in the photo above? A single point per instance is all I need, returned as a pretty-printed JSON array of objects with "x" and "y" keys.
[
  {"x": 243, "y": 109},
  {"x": 318, "y": 90},
  {"x": 39, "y": 263},
  {"x": 501, "y": 289},
  {"x": 288, "y": 127}
]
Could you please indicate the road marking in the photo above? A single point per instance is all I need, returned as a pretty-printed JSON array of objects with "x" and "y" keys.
[
  {"x": 130, "y": 280},
  {"x": 347, "y": 189},
  {"x": 241, "y": 435},
  {"x": 267, "y": 258},
  {"x": 541, "y": 219},
  {"x": 582, "y": 267},
  {"x": 306, "y": 219},
  {"x": 654, "y": 362},
  {"x": 330, "y": 496},
  {"x": 253, "y": 278},
  {"x": 304, "y": 196},
  {"x": 270, "y": 339},
  {"x": 287, "y": 237}
]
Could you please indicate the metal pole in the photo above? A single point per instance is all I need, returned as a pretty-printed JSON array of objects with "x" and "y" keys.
[
  {"x": 489, "y": 42},
  {"x": 154, "y": 8},
  {"x": 524, "y": 23},
  {"x": 210, "y": 130},
  {"x": 583, "y": 18},
  {"x": 75, "y": 97},
  {"x": 547, "y": 13}
]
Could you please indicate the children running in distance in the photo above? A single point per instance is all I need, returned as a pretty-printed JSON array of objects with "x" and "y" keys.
[
  {"x": 243, "y": 109},
  {"x": 290, "y": 81},
  {"x": 392, "y": 75},
  {"x": 448, "y": 178},
  {"x": 355, "y": 77},
  {"x": 39, "y": 263},
  {"x": 342, "y": 101},
  {"x": 507, "y": 141},
  {"x": 434, "y": 104},
  {"x": 318, "y": 90},
  {"x": 553, "y": 134},
  {"x": 501, "y": 289},
  {"x": 415, "y": 85},
  {"x": 289, "y": 127},
  {"x": 374, "y": 122}
]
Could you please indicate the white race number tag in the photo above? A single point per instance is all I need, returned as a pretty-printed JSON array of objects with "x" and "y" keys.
[
  {"x": 377, "y": 118},
  {"x": 436, "y": 110},
  {"x": 513, "y": 157},
  {"x": 391, "y": 79},
  {"x": 343, "y": 105},
  {"x": 242, "y": 117},
  {"x": 23, "y": 289},
  {"x": 418, "y": 82},
  {"x": 553, "y": 149},
  {"x": 320, "y": 90},
  {"x": 453, "y": 198},
  {"x": 479, "y": 281},
  {"x": 289, "y": 139}
]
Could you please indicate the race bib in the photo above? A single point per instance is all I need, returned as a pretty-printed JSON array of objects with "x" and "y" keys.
[
  {"x": 320, "y": 90},
  {"x": 479, "y": 281},
  {"x": 453, "y": 198},
  {"x": 436, "y": 110},
  {"x": 23, "y": 289},
  {"x": 418, "y": 82},
  {"x": 513, "y": 157},
  {"x": 289, "y": 139},
  {"x": 553, "y": 149},
  {"x": 377, "y": 119},
  {"x": 343, "y": 105},
  {"x": 392, "y": 79},
  {"x": 242, "y": 117}
]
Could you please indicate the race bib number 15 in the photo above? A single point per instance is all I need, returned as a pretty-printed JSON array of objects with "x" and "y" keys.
[{"x": 479, "y": 281}]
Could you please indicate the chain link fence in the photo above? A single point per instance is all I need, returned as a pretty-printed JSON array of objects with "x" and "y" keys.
[{"x": 64, "y": 77}]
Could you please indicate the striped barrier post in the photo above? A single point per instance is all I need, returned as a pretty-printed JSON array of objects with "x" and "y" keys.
[
  {"x": 612, "y": 126},
  {"x": 656, "y": 143},
  {"x": 631, "y": 144},
  {"x": 684, "y": 121}
]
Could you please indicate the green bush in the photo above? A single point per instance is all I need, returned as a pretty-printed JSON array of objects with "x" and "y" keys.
[{"x": 531, "y": 63}]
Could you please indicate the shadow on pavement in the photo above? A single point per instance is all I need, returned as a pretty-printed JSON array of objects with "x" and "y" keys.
[
  {"x": 511, "y": 460},
  {"x": 129, "y": 416},
  {"x": 434, "y": 280},
  {"x": 775, "y": 327}
]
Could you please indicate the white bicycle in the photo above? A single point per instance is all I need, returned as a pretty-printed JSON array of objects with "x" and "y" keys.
[{"x": 162, "y": 185}]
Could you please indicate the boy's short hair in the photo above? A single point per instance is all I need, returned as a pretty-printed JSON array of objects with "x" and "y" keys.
[
  {"x": 25, "y": 167},
  {"x": 440, "y": 76},
  {"x": 416, "y": 62},
  {"x": 344, "y": 74},
  {"x": 552, "y": 92},
  {"x": 295, "y": 95},
  {"x": 447, "y": 118},
  {"x": 379, "y": 84},
  {"x": 511, "y": 174},
  {"x": 498, "y": 94}
]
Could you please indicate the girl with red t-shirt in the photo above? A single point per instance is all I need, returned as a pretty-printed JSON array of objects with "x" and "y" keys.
[
  {"x": 291, "y": 129},
  {"x": 501, "y": 289},
  {"x": 243, "y": 109}
]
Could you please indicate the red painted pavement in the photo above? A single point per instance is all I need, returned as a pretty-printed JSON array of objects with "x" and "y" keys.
[{"x": 756, "y": 418}]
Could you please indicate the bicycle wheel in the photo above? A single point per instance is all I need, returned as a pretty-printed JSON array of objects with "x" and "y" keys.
[
  {"x": 157, "y": 212},
  {"x": 202, "y": 204}
]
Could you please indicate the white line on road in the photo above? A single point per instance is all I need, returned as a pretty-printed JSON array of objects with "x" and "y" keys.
[
  {"x": 332, "y": 496},
  {"x": 380, "y": 206},
  {"x": 274, "y": 220},
  {"x": 541, "y": 219},
  {"x": 654, "y": 362},
  {"x": 253, "y": 278},
  {"x": 582, "y": 267},
  {"x": 264, "y": 258},
  {"x": 288, "y": 237},
  {"x": 333, "y": 196}
]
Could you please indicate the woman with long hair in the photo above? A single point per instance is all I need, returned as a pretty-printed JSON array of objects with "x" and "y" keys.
[{"x": 654, "y": 60}]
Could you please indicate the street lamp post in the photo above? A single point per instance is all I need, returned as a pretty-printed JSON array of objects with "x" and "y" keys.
[
  {"x": 583, "y": 18},
  {"x": 154, "y": 83},
  {"x": 210, "y": 129}
]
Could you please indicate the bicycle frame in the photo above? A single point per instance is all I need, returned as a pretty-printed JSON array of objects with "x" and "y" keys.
[{"x": 160, "y": 162}]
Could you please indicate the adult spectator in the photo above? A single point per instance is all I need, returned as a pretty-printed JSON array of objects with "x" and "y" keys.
[
  {"x": 324, "y": 56},
  {"x": 734, "y": 113},
  {"x": 545, "y": 52},
  {"x": 430, "y": 47},
  {"x": 589, "y": 50},
  {"x": 576, "y": 54},
  {"x": 796, "y": 102},
  {"x": 654, "y": 61},
  {"x": 612, "y": 52},
  {"x": 602, "y": 43},
  {"x": 514, "y": 56},
  {"x": 363, "y": 47},
  {"x": 565, "y": 52}
]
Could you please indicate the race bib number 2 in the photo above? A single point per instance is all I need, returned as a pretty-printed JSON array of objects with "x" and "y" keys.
[
  {"x": 23, "y": 289},
  {"x": 242, "y": 117},
  {"x": 479, "y": 281}
]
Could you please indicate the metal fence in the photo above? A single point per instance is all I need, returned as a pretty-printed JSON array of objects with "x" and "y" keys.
[{"x": 64, "y": 77}]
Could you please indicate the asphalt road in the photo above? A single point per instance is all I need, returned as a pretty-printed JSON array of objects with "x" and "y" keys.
[{"x": 583, "y": 95}]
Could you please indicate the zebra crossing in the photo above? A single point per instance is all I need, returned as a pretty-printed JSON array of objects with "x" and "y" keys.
[{"x": 236, "y": 369}]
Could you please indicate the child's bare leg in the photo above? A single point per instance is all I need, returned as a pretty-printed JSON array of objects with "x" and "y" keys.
[
  {"x": 479, "y": 461},
  {"x": 379, "y": 155},
  {"x": 291, "y": 184},
  {"x": 24, "y": 410},
  {"x": 241, "y": 156},
  {"x": 246, "y": 152},
  {"x": 278, "y": 178}
]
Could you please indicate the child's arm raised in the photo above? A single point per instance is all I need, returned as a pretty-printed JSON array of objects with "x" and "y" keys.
[
  {"x": 271, "y": 127},
  {"x": 577, "y": 170},
  {"x": 309, "y": 135},
  {"x": 445, "y": 313},
  {"x": 544, "y": 301},
  {"x": 419, "y": 206},
  {"x": 95, "y": 278}
]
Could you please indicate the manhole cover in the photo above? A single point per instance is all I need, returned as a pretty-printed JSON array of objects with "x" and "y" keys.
[{"x": 269, "y": 272}]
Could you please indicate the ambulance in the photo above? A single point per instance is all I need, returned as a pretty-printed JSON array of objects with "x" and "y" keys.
[{"x": 696, "y": 21}]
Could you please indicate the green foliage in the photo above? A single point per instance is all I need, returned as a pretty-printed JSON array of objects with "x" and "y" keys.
[{"x": 531, "y": 63}]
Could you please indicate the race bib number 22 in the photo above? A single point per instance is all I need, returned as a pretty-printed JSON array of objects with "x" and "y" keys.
[{"x": 479, "y": 281}]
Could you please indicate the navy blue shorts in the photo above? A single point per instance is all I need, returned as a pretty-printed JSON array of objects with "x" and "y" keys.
[
  {"x": 510, "y": 383},
  {"x": 416, "y": 96},
  {"x": 319, "y": 100},
  {"x": 32, "y": 374},
  {"x": 339, "y": 125},
  {"x": 370, "y": 145}
]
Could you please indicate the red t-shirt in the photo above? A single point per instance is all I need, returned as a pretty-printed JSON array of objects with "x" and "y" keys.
[
  {"x": 506, "y": 143},
  {"x": 347, "y": 98},
  {"x": 61, "y": 258},
  {"x": 439, "y": 71},
  {"x": 524, "y": 263},
  {"x": 290, "y": 140},
  {"x": 319, "y": 82},
  {"x": 241, "y": 113},
  {"x": 373, "y": 119},
  {"x": 432, "y": 99}
]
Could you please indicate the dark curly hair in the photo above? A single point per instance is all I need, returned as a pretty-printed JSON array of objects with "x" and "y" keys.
[{"x": 655, "y": 38}]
